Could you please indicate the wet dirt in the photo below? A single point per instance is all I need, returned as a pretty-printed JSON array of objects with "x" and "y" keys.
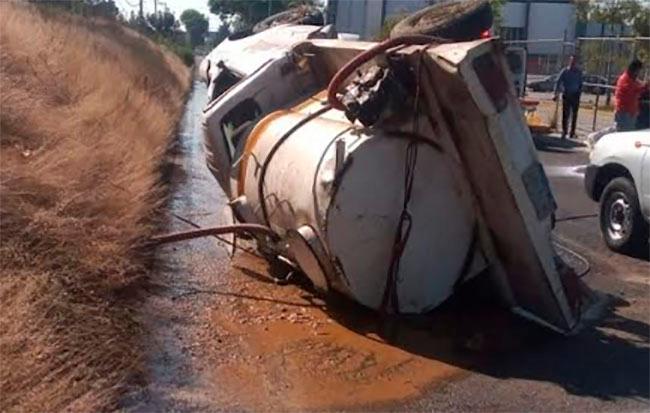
[
  {"x": 268, "y": 347},
  {"x": 286, "y": 349},
  {"x": 225, "y": 336}
]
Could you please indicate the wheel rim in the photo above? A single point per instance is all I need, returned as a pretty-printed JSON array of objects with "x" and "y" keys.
[{"x": 619, "y": 217}]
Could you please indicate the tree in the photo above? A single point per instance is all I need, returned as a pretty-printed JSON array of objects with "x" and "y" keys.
[
  {"x": 497, "y": 12},
  {"x": 163, "y": 22},
  {"x": 103, "y": 8},
  {"x": 609, "y": 57},
  {"x": 249, "y": 12},
  {"x": 618, "y": 13},
  {"x": 196, "y": 25},
  {"x": 222, "y": 33}
]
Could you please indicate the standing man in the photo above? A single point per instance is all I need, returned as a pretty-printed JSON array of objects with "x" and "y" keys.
[
  {"x": 570, "y": 80},
  {"x": 627, "y": 95}
]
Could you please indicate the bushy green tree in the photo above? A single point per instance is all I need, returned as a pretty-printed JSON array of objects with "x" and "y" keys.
[
  {"x": 222, "y": 32},
  {"x": 497, "y": 12},
  {"x": 163, "y": 22},
  {"x": 196, "y": 25},
  {"x": 610, "y": 58},
  {"x": 618, "y": 13}
]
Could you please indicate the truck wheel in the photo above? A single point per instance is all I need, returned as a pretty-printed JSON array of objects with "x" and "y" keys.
[
  {"x": 455, "y": 20},
  {"x": 297, "y": 15},
  {"x": 621, "y": 222}
]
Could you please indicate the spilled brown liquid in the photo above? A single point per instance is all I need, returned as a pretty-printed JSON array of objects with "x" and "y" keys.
[{"x": 282, "y": 348}]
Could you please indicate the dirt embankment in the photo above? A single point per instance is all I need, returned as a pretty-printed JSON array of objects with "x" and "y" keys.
[{"x": 87, "y": 110}]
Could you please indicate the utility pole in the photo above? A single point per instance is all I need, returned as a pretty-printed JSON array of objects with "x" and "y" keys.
[
  {"x": 141, "y": 13},
  {"x": 155, "y": 7}
]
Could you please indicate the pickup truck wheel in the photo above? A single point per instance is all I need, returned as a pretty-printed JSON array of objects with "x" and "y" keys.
[
  {"x": 621, "y": 222},
  {"x": 455, "y": 20}
]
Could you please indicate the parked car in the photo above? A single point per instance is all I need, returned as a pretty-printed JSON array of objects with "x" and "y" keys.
[
  {"x": 618, "y": 176},
  {"x": 547, "y": 84},
  {"x": 593, "y": 80}
]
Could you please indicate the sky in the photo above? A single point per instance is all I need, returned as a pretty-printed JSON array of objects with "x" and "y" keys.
[{"x": 175, "y": 6}]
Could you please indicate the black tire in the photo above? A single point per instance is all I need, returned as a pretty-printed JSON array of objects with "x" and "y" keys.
[
  {"x": 457, "y": 20},
  {"x": 297, "y": 15},
  {"x": 621, "y": 222}
]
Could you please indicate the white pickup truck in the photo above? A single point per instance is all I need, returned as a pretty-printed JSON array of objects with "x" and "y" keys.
[{"x": 618, "y": 176}]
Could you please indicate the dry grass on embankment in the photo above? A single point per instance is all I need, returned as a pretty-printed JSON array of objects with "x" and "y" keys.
[{"x": 87, "y": 109}]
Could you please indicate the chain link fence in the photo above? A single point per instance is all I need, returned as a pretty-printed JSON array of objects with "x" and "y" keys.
[
  {"x": 545, "y": 56},
  {"x": 602, "y": 59},
  {"x": 605, "y": 57},
  {"x": 608, "y": 57}
]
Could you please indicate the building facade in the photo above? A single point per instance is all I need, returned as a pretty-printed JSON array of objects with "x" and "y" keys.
[
  {"x": 366, "y": 17},
  {"x": 547, "y": 24}
]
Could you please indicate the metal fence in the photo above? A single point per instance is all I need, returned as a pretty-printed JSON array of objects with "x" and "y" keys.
[
  {"x": 545, "y": 56},
  {"x": 603, "y": 59},
  {"x": 607, "y": 57}
]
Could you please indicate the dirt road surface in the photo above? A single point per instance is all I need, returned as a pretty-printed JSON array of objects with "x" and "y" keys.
[
  {"x": 585, "y": 125},
  {"x": 228, "y": 337}
]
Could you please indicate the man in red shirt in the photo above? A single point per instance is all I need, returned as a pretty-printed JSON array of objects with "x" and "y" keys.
[{"x": 627, "y": 94}]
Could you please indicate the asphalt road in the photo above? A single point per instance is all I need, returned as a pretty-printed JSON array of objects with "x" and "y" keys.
[
  {"x": 603, "y": 368},
  {"x": 227, "y": 338}
]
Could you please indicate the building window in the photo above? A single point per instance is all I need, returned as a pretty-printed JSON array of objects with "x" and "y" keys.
[{"x": 512, "y": 33}]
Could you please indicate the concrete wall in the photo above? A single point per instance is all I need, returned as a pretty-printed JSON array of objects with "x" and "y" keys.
[
  {"x": 550, "y": 21},
  {"x": 513, "y": 15},
  {"x": 546, "y": 20},
  {"x": 373, "y": 18},
  {"x": 364, "y": 17},
  {"x": 396, "y": 7},
  {"x": 350, "y": 16}
]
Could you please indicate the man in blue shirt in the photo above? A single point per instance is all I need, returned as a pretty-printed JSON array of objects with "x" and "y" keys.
[{"x": 570, "y": 80}]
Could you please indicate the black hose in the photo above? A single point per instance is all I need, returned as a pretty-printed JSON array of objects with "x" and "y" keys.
[
  {"x": 576, "y": 217},
  {"x": 579, "y": 257}
]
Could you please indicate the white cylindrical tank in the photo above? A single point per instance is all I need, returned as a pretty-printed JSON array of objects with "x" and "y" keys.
[{"x": 339, "y": 190}]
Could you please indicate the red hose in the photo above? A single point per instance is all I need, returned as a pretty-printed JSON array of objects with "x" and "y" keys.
[
  {"x": 204, "y": 232},
  {"x": 349, "y": 68}
]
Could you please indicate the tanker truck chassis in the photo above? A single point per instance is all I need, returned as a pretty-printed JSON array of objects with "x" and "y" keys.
[{"x": 390, "y": 172}]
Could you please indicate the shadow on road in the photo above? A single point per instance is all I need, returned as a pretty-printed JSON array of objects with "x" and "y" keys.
[
  {"x": 548, "y": 143},
  {"x": 641, "y": 252},
  {"x": 607, "y": 361}
]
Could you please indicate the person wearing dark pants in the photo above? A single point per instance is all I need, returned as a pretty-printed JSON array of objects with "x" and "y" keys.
[
  {"x": 570, "y": 81},
  {"x": 570, "y": 106}
]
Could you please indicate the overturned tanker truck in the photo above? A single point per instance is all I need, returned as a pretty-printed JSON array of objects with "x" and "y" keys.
[{"x": 389, "y": 172}]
